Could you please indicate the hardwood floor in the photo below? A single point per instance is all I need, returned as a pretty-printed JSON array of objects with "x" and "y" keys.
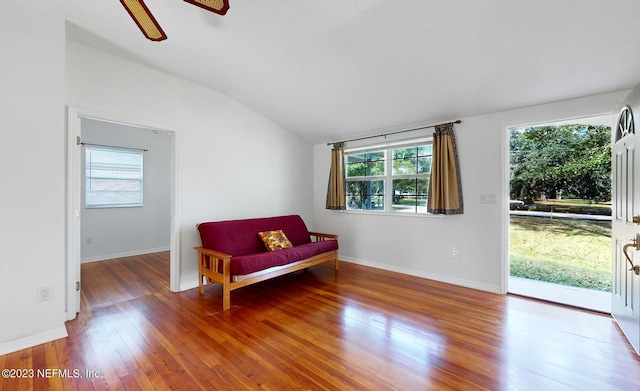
[{"x": 357, "y": 329}]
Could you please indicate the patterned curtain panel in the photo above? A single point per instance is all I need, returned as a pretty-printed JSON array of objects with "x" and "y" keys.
[
  {"x": 336, "y": 188},
  {"x": 445, "y": 189}
]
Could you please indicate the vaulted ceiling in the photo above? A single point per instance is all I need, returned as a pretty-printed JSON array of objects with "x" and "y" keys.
[{"x": 333, "y": 69}]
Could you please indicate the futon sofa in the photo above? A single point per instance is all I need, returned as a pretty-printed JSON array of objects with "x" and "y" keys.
[{"x": 237, "y": 253}]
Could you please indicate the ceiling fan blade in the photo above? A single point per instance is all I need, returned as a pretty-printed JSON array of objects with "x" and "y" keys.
[
  {"x": 220, "y": 7},
  {"x": 144, "y": 19}
]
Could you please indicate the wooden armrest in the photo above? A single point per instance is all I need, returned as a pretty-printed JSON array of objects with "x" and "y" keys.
[
  {"x": 216, "y": 267},
  {"x": 323, "y": 235},
  {"x": 212, "y": 253}
]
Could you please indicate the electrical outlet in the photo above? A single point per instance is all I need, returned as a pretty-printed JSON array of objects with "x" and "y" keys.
[
  {"x": 44, "y": 293},
  {"x": 456, "y": 254}
]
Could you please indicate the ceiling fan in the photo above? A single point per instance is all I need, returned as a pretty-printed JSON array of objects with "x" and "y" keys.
[{"x": 150, "y": 26}]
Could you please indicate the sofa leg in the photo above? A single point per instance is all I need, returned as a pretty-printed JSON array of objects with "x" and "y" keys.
[
  {"x": 201, "y": 285},
  {"x": 226, "y": 297}
]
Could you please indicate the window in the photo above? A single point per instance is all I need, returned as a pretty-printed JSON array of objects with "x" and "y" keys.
[
  {"x": 113, "y": 177},
  {"x": 389, "y": 179}
]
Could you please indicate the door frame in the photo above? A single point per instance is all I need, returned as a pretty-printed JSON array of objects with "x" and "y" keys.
[
  {"x": 534, "y": 120},
  {"x": 74, "y": 198}
]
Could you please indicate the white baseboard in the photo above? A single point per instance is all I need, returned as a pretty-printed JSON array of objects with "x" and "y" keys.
[
  {"x": 132, "y": 253},
  {"x": 186, "y": 285},
  {"x": 191, "y": 284},
  {"x": 422, "y": 274},
  {"x": 33, "y": 340}
]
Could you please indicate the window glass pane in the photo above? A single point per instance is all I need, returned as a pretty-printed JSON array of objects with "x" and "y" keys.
[
  {"x": 404, "y": 161},
  {"x": 366, "y": 164},
  {"x": 424, "y": 158},
  {"x": 112, "y": 192},
  {"x": 355, "y": 165},
  {"x": 405, "y": 153},
  {"x": 113, "y": 177},
  {"x": 410, "y": 195},
  {"x": 423, "y": 186},
  {"x": 411, "y": 204},
  {"x": 365, "y": 195},
  {"x": 424, "y": 165},
  {"x": 425, "y": 150}
]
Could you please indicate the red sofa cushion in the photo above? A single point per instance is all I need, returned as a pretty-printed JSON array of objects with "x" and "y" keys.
[
  {"x": 247, "y": 264},
  {"x": 240, "y": 237}
]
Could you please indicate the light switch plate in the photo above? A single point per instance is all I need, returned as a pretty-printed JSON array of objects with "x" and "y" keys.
[{"x": 488, "y": 199}]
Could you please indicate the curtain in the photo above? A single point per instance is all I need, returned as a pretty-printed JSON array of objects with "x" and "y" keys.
[
  {"x": 445, "y": 187},
  {"x": 336, "y": 188}
]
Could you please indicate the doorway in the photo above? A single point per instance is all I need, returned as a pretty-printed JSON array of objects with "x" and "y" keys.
[
  {"x": 560, "y": 212},
  {"x": 114, "y": 130},
  {"x": 126, "y": 188}
]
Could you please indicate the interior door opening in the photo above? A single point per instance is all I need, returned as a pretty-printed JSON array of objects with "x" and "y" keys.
[
  {"x": 126, "y": 190},
  {"x": 560, "y": 212},
  {"x": 98, "y": 238}
]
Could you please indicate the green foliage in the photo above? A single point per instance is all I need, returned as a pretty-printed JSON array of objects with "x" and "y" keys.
[
  {"x": 365, "y": 164},
  {"x": 572, "y": 159},
  {"x": 412, "y": 160},
  {"x": 412, "y": 186}
]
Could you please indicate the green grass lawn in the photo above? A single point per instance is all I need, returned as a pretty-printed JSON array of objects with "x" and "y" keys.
[{"x": 563, "y": 251}]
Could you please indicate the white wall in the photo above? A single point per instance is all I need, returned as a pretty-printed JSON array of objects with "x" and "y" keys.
[
  {"x": 423, "y": 246},
  {"x": 32, "y": 157},
  {"x": 232, "y": 161},
  {"x": 108, "y": 233}
]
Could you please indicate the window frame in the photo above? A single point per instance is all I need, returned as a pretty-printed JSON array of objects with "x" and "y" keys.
[
  {"x": 388, "y": 176},
  {"x": 139, "y": 153}
]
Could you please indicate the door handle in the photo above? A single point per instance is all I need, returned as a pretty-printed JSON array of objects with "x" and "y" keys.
[{"x": 635, "y": 243}]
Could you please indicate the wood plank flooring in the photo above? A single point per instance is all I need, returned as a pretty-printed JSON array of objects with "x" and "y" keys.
[{"x": 357, "y": 329}]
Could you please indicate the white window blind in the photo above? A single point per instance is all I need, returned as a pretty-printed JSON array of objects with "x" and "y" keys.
[{"x": 113, "y": 177}]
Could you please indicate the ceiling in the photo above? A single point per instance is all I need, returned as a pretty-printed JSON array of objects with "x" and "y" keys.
[{"x": 334, "y": 69}]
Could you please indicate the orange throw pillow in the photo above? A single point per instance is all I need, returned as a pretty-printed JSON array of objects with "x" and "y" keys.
[{"x": 275, "y": 240}]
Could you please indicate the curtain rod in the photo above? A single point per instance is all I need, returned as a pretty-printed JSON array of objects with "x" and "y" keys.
[
  {"x": 114, "y": 146},
  {"x": 399, "y": 131}
]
